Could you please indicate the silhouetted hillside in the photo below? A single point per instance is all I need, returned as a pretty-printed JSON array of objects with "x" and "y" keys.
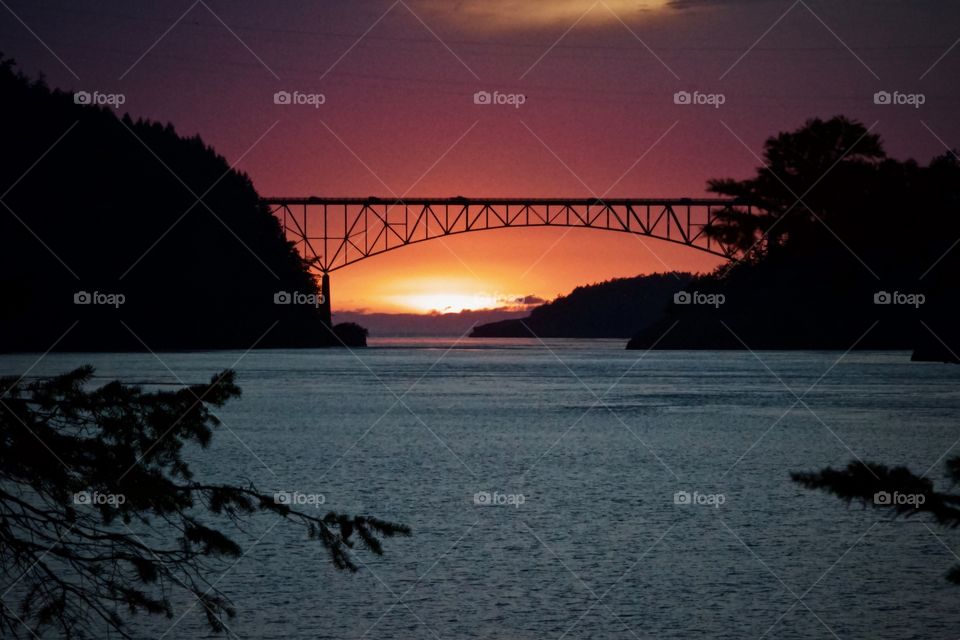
[
  {"x": 105, "y": 229},
  {"x": 612, "y": 309},
  {"x": 850, "y": 249}
]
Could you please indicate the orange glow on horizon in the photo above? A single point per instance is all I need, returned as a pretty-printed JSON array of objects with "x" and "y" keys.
[
  {"x": 447, "y": 302},
  {"x": 506, "y": 269},
  {"x": 430, "y": 293}
]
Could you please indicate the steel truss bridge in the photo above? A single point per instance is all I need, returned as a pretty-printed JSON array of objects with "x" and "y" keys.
[{"x": 332, "y": 233}]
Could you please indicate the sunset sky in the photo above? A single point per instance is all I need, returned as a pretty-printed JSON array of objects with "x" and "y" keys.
[{"x": 599, "y": 118}]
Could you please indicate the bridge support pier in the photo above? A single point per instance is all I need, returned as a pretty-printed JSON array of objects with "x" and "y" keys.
[{"x": 325, "y": 310}]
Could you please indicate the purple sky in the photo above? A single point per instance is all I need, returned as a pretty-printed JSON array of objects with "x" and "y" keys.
[{"x": 598, "y": 79}]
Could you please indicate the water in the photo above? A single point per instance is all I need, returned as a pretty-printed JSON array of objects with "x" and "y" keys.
[{"x": 597, "y": 441}]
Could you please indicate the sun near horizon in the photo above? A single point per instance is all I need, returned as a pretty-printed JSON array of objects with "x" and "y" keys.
[{"x": 430, "y": 294}]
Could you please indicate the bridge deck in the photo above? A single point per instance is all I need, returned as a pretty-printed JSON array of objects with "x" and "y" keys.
[{"x": 575, "y": 202}]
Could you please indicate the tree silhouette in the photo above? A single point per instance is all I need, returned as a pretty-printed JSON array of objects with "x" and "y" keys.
[
  {"x": 873, "y": 485},
  {"x": 100, "y": 515},
  {"x": 804, "y": 175},
  {"x": 832, "y": 221}
]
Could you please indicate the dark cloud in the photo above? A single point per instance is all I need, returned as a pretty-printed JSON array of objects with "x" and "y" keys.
[{"x": 530, "y": 299}]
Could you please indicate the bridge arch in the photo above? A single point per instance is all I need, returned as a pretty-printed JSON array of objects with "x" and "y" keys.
[{"x": 334, "y": 233}]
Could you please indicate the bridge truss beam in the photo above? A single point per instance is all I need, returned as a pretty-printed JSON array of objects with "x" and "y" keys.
[{"x": 333, "y": 233}]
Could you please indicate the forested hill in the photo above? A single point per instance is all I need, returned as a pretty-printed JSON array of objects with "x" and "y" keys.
[
  {"x": 867, "y": 258},
  {"x": 103, "y": 232},
  {"x": 612, "y": 309}
]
